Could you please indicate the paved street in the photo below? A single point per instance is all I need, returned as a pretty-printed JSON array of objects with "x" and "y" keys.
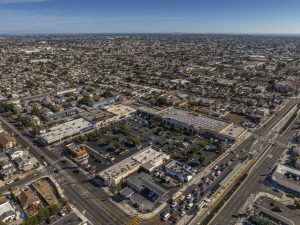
[
  {"x": 252, "y": 183},
  {"x": 77, "y": 189},
  {"x": 89, "y": 199}
]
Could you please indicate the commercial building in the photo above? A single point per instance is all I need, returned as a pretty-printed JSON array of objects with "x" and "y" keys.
[
  {"x": 286, "y": 179},
  {"x": 177, "y": 171},
  {"x": 195, "y": 123},
  {"x": 108, "y": 115},
  {"x": 48, "y": 115},
  {"x": 102, "y": 103},
  {"x": 117, "y": 173},
  {"x": 143, "y": 182},
  {"x": 99, "y": 117},
  {"x": 120, "y": 111},
  {"x": 78, "y": 153},
  {"x": 65, "y": 130}
]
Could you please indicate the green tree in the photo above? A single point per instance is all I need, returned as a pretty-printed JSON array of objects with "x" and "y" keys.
[
  {"x": 35, "y": 130},
  {"x": 297, "y": 204},
  {"x": 201, "y": 158},
  {"x": 125, "y": 128},
  {"x": 136, "y": 141}
]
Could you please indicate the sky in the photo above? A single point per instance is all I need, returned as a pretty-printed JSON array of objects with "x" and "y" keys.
[{"x": 149, "y": 16}]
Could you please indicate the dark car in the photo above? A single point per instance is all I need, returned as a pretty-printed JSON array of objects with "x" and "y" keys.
[
  {"x": 277, "y": 209},
  {"x": 76, "y": 171}
]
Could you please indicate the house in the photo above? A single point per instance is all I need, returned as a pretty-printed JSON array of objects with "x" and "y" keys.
[
  {"x": 22, "y": 162},
  {"x": 7, "y": 141},
  {"x": 7, "y": 212},
  {"x": 2, "y": 131},
  {"x": 5, "y": 164},
  {"x": 27, "y": 198},
  {"x": 15, "y": 152},
  {"x": 6, "y": 167}
]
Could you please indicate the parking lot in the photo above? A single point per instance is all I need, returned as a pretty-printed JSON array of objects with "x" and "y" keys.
[
  {"x": 116, "y": 142},
  {"x": 201, "y": 193}
]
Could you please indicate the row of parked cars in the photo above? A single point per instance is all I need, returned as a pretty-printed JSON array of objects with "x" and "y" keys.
[{"x": 184, "y": 204}]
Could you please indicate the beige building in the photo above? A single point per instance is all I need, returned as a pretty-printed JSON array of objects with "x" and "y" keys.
[
  {"x": 150, "y": 157},
  {"x": 120, "y": 111}
]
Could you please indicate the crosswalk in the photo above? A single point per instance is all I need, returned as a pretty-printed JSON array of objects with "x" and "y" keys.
[
  {"x": 155, "y": 220},
  {"x": 135, "y": 221}
]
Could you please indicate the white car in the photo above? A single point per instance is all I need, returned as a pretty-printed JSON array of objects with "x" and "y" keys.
[
  {"x": 190, "y": 205},
  {"x": 216, "y": 167},
  {"x": 174, "y": 204},
  {"x": 62, "y": 213},
  {"x": 188, "y": 196},
  {"x": 166, "y": 216},
  {"x": 45, "y": 163},
  {"x": 183, "y": 213},
  {"x": 218, "y": 173}
]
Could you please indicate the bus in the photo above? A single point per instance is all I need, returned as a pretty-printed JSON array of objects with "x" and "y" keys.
[{"x": 176, "y": 196}]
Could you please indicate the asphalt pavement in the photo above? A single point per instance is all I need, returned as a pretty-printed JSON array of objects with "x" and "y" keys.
[
  {"x": 81, "y": 193},
  {"x": 253, "y": 184}
]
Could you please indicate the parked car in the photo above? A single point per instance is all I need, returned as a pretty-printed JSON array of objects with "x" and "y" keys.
[
  {"x": 166, "y": 216},
  {"x": 174, "y": 204},
  {"x": 62, "y": 213},
  {"x": 190, "y": 205},
  {"x": 188, "y": 196}
]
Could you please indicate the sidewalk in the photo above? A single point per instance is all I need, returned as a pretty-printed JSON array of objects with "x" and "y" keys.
[{"x": 74, "y": 209}]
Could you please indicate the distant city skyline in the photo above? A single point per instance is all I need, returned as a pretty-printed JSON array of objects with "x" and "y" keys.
[{"x": 155, "y": 16}]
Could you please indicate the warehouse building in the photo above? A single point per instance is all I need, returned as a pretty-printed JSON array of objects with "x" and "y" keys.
[
  {"x": 117, "y": 173},
  {"x": 195, "y": 123}
]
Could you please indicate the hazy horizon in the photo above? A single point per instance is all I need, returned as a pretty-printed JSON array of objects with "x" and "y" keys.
[{"x": 133, "y": 16}]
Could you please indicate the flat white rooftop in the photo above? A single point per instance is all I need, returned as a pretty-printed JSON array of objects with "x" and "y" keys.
[
  {"x": 65, "y": 130},
  {"x": 133, "y": 163},
  {"x": 282, "y": 169},
  {"x": 197, "y": 121}
]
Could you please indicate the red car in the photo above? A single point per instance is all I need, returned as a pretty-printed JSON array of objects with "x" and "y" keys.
[{"x": 173, "y": 218}]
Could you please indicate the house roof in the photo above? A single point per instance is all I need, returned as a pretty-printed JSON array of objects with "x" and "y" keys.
[
  {"x": 5, "y": 139},
  {"x": 27, "y": 198}
]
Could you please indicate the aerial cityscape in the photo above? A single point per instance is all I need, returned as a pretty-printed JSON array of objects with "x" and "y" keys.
[{"x": 140, "y": 114}]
